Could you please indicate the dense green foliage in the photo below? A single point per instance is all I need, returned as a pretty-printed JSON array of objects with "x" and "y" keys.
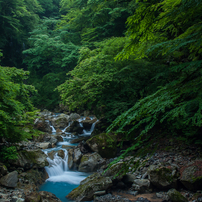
[{"x": 16, "y": 109}]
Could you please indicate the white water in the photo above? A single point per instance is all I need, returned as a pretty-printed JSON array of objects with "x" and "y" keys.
[{"x": 61, "y": 180}]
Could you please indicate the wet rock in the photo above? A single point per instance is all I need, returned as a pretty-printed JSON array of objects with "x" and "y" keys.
[
  {"x": 91, "y": 162},
  {"x": 163, "y": 177},
  {"x": 70, "y": 158},
  {"x": 87, "y": 190},
  {"x": 61, "y": 154},
  {"x": 74, "y": 116},
  {"x": 44, "y": 145},
  {"x": 87, "y": 123},
  {"x": 75, "y": 127},
  {"x": 30, "y": 158},
  {"x": 42, "y": 196},
  {"x": 10, "y": 180},
  {"x": 141, "y": 185},
  {"x": 58, "y": 130},
  {"x": 77, "y": 155},
  {"x": 111, "y": 198},
  {"x": 60, "y": 121},
  {"x": 42, "y": 125},
  {"x": 77, "y": 140},
  {"x": 52, "y": 154},
  {"x": 59, "y": 138},
  {"x": 176, "y": 196},
  {"x": 104, "y": 144},
  {"x": 191, "y": 175}
]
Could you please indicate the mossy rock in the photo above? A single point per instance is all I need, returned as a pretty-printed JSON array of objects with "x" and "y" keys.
[
  {"x": 191, "y": 175},
  {"x": 176, "y": 196},
  {"x": 104, "y": 144},
  {"x": 30, "y": 158},
  {"x": 92, "y": 184},
  {"x": 163, "y": 177}
]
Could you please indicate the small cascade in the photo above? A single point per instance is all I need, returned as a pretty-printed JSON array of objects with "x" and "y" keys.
[
  {"x": 53, "y": 129},
  {"x": 91, "y": 130},
  {"x": 66, "y": 127}
]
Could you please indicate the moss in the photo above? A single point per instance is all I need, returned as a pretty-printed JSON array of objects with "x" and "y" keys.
[
  {"x": 31, "y": 155},
  {"x": 195, "y": 179}
]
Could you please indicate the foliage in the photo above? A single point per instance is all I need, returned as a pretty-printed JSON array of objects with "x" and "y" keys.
[
  {"x": 16, "y": 109},
  {"x": 177, "y": 105},
  {"x": 105, "y": 86},
  {"x": 7, "y": 153},
  {"x": 18, "y": 17}
]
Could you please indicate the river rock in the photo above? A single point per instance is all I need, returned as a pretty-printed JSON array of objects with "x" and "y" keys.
[
  {"x": 87, "y": 123},
  {"x": 42, "y": 196},
  {"x": 59, "y": 138},
  {"x": 60, "y": 121},
  {"x": 42, "y": 125},
  {"x": 87, "y": 190},
  {"x": 141, "y": 185},
  {"x": 30, "y": 158},
  {"x": 91, "y": 162},
  {"x": 51, "y": 139},
  {"x": 10, "y": 180},
  {"x": 77, "y": 155},
  {"x": 70, "y": 158},
  {"x": 74, "y": 116},
  {"x": 61, "y": 154},
  {"x": 75, "y": 127},
  {"x": 52, "y": 154},
  {"x": 44, "y": 145},
  {"x": 191, "y": 175},
  {"x": 176, "y": 196},
  {"x": 104, "y": 144},
  {"x": 163, "y": 177}
]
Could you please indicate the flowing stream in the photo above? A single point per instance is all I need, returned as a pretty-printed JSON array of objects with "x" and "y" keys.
[{"x": 62, "y": 180}]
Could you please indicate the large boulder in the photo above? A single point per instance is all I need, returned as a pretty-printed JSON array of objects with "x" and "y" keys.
[
  {"x": 87, "y": 123},
  {"x": 191, "y": 175},
  {"x": 42, "y": 196},
  {"x": 30, "y": 158},
  {"x": 104, "y": 144},
  {"x": 42, "y": 125},
  {"x": 70, "y": 158},
  {"x": 91, "y": 185},
  {"x": 10, "y": 180},
  {"x": 60, "y": 121},
  {"x": 163, "y": 177},
  {"x": 74, "y": 116},
  {"x": 91, "y": 162},
  {"x": 176, "y": 196},
  {"x": 141, "y": 185},
  {"x": 44, "y": 145},
  {"x": 75, "y": 127}
]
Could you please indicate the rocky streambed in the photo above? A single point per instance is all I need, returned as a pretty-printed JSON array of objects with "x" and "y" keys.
[{"x": 169, "y": 173}]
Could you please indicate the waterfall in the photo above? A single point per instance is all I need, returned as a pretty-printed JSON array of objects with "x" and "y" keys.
[
  {"x": 91, "y": 130},
  {"x": 53, "y": 129}
]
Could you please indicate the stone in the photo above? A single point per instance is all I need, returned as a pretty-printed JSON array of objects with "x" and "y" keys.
[
  {"x": 59, "y": 138},
  {"x": 163, "y": 177},
  {"x": 91, "y": 162},
  {"x": 87, "y": 190},
  {"x": 191, "y": 175},
  {"x": 61, "y": 154},
  {"x": 176, "y": 196},
  {"x": 42, "y": 125},
  {"x": 87, "y": 123},
  {"x": 77, "y": 155},
  {"x": 141, "y": 185},
  {"x": 10, "y": 180},
  {"x": 60, "y": 121},
  {"x": 30, "y": 158},
  {"x": 52, "y": 154},
  {"x": 70, "y": 158},
  {"x": 75, "y": 127},
  {"x": 74, "y": 116},
  {"x": 104, "y": 144},
  {"x": 44, "y": 145}
]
